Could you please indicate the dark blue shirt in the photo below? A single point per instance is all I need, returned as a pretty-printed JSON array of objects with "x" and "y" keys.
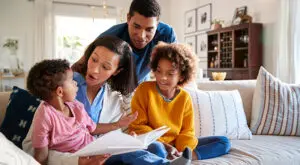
[{"x": 163, "y": 33}]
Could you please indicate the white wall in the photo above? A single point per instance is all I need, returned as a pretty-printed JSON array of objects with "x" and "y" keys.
[{"x": 263, "y": 11}]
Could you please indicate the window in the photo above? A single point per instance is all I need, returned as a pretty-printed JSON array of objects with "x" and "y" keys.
[{"x": 74, "y": 34}]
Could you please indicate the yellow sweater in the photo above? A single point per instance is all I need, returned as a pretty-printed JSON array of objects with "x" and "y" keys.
[{"x": 154, "y": 112}]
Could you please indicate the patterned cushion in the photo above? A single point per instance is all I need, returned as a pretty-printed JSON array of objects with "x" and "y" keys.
[
  {"x": 275, "y": 107},
  {"x": 219, "y": 113},
  {"x": 19, "y": 115}
]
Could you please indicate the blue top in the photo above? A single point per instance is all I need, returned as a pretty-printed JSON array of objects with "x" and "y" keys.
[
  {"x": 93, "y": 110},
  {"x": 163, "y": 33}
]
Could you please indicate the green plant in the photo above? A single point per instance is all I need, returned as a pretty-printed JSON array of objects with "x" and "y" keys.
[
  {"x": 217, "y": 21},
  {"x": 71, "y": 42},
  {"x": 11, "y": 44}
]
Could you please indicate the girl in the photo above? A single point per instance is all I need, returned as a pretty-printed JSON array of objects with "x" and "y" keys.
[{"x": 164, "y": 102}]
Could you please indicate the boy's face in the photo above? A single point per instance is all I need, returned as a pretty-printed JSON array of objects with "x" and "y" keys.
[
  {"x": 167, "y": 76},
  {"x": 141, "y": 29},
  {"x": 69, "y": 87}
]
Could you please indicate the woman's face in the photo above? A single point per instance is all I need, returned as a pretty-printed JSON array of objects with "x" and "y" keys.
[{"x": 102, "y": 64}]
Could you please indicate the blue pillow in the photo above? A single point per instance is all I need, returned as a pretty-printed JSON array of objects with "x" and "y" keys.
[{"x": 19, "y": 114}]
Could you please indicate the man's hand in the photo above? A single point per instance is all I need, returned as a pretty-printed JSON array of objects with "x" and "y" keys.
[
  {"x": 125, "y": 120},
  {"x": 93, "y": 160}
]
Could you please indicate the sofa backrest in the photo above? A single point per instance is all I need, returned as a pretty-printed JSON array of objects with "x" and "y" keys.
[
  {"x": 245, "y": 87},
  {"x": 4, "y": 97}
]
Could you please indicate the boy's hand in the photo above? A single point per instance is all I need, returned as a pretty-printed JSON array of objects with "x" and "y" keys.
[
  {"x": 125, "y": 120},
  {"x": 93, "y": 160}
]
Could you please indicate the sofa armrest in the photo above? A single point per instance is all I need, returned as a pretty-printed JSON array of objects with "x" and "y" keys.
[{"x": 4, "y": 97}]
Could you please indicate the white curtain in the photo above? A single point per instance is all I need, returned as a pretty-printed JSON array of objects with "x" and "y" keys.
[
  {"x": 43, "y": 30},
  {"x": 287, "y": 60}
]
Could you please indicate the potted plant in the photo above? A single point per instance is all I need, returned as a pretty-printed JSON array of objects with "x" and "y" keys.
[
  {"x": 217, "y": 24},
  {"x": 12, "y": 45}
]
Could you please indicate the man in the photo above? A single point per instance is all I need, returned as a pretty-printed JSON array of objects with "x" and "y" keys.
[{"x": 143, "y": 31}]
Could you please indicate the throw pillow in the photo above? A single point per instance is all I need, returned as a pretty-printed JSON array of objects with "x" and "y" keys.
[
  {"x": 275, "y": 106},
  {"x": 219, "y": 113},
  {"x": 19, "y": 115}
]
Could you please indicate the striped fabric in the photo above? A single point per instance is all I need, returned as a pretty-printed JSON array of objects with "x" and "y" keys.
[
  {"x": 275, "y": 107},
  {"x": 219, "y": 113}
]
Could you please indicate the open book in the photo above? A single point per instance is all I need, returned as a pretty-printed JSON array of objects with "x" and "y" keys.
[{"x": 117, "y": 142}]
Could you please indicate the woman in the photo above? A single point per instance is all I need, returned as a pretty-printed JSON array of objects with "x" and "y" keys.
[{"x": 105, "y": 78}]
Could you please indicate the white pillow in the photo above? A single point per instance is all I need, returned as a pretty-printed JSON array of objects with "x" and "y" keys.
[
  {"x": 219, "y": 113},
  {"x": 11, "y": 154},
  {"x": 275, "y": 106}
]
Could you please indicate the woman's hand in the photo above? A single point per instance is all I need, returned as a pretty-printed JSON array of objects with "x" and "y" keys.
[
  {"x": 93, "y": 160},
  {"x": 125, "y": 120},
  {"x": 172, "y": 151}
]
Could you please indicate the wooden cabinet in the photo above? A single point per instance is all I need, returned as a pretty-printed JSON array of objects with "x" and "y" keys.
[
  {"x": 236, "y": 50},
  {"x": 7, "y": 82}
]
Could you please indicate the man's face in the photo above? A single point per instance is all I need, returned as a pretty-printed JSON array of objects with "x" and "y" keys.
[{"x": 141, "y": 29}]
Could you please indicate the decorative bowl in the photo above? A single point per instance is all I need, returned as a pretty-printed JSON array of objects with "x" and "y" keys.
[{"x": 218, "y": 76}]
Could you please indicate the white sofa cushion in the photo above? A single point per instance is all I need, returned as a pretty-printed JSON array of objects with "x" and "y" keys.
[
  {"x": 245, "y": 87},
  {"x": 276, "y": 107},
  {"x": 11, "y": 154},
  {"x": 219, "y": 113}
]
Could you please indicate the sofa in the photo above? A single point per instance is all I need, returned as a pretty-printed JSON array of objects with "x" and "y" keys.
[{"x": 261, "y": 149}]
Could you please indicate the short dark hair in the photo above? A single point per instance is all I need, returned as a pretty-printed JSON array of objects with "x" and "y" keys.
[
  {"x": 147, "y": 8},
  {"x": 180, "y": 55},
  {"x": 125, "y": 81},
  {"x": 45, "y": 76}
]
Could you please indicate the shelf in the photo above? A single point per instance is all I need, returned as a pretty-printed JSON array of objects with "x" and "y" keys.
[
  {"x": 241, "y": 48},
  {"x": 235, "y": 51}
]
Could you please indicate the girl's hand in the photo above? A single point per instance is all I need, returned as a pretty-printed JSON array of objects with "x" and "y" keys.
[
  {"x": 172, "y": 151},
  {"x": 125, "y": 120},
  {"x": 132, "y": 133},
  {"x": 93, "y": 160}
]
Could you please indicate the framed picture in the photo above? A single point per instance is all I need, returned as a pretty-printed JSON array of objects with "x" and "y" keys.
[
  {"x": 204, "y": 17},
  {"x": 202, "y": 45},
  {"x": 191, "y": 41},
  {"x": 238, "y": 12},
  {"x": 190, "y": 21}
]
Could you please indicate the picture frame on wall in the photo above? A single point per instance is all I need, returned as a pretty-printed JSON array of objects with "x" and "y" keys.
[
  {"x": 238, "y": 12},
  {"x": 204, "y": 17},
  {"x": 202, "y": 45},
  {"x": 190, "y": 21},
  {"x": 191, "y": 41}
]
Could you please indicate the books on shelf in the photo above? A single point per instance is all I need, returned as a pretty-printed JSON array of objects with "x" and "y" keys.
[{"x": 117, "y": 142}]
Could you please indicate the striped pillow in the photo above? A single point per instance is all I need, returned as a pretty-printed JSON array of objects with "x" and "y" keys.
[
  {"x": 275, "y": 107},
  {"x": 219, "y": 113}
]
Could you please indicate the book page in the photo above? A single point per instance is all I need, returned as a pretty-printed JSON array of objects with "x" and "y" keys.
[
  {"x": 153, "y": 135},
  {"x": 114, "y": 142}
]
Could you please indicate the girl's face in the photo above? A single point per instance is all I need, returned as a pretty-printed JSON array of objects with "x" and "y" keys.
[
  {"x": 167, "y": 76},
  {"x": 102, "y": 64},
  {"x": 69, "y": 87}
]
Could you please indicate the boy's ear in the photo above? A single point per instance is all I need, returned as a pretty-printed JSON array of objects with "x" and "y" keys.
[
  {"x": 59, "y": 91},
  {"x": 117, "y": 71}
]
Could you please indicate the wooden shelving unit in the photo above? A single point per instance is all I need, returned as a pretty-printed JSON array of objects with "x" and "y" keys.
[{"x": 236, "y": 50}]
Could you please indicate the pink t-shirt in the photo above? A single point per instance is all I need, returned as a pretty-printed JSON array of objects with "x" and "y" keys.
[{"x": 61, "y": 133}]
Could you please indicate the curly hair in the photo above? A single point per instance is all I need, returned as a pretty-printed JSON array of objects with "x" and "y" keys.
[
  {"x": 147, "y": 8},
  {"x": 45, "y": 76},
  {"x": 181, "y": 57}
]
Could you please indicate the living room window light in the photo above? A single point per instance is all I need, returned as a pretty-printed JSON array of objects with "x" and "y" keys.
[{"x": 73, "y": 34}]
